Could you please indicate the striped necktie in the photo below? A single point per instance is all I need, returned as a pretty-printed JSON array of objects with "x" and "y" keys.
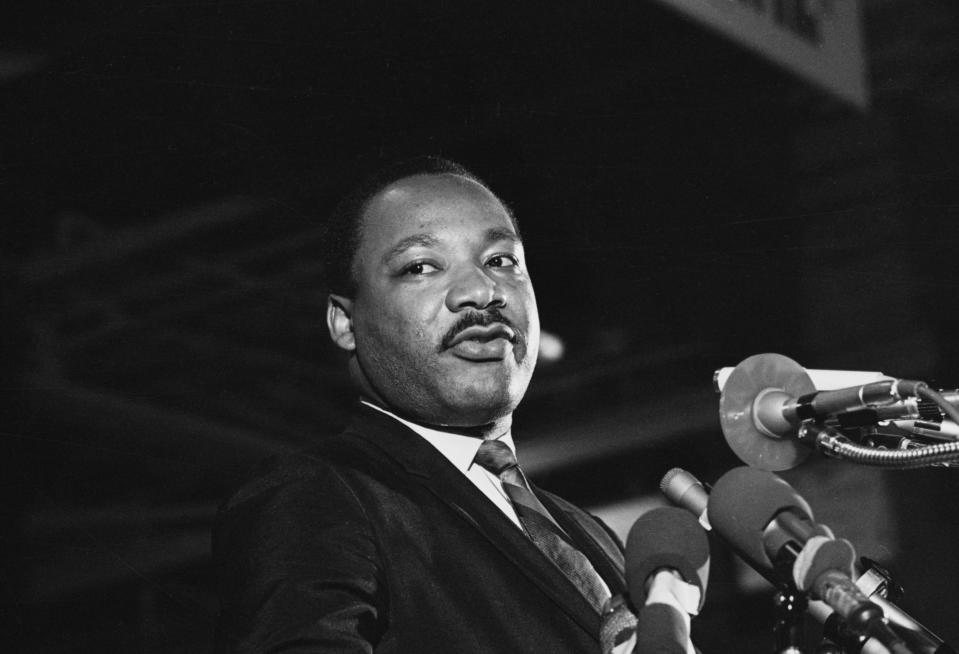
[{"x": 542, "y": 529}]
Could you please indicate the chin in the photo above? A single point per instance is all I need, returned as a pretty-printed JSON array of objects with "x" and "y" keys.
[
  {"x": 472, "y": 406},
  {"x": 469, "y": 417}
]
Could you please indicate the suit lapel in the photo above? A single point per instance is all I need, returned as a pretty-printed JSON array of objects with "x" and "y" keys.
[
  {"x": 599, "y": 546},
  {"x": 428, "y": 467}
]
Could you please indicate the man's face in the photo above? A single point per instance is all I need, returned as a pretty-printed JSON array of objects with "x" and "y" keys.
[{"x": 445, "y": 326}]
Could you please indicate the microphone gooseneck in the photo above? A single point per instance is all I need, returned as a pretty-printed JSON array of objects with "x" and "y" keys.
[{"x": 832, "y": 443}]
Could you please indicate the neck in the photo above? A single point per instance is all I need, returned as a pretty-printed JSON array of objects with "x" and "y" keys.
[{"x": 490, "y": 430}]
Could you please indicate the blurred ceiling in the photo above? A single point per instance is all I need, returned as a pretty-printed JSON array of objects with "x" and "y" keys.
[
  {"x": 165, "y": 170},
  {"x": 168, "y": 167}
]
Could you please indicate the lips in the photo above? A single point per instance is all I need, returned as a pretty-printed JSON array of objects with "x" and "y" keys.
[
  {"x": 483, "y": 343},
  {"x": 484, "y": 334}
]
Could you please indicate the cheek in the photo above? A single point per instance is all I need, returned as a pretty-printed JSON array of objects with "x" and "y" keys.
[
  {"x": 396, "y": 335},
  {"x": 409, "y": 319}
]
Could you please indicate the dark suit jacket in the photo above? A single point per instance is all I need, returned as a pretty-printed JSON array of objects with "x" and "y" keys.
[{"x": 372, "y": 540}]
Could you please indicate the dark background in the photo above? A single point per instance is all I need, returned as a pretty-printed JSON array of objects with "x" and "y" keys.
[{"x": 165, "y": 168}]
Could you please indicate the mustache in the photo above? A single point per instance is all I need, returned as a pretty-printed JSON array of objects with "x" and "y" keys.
[{"x": 482, "y": 319}]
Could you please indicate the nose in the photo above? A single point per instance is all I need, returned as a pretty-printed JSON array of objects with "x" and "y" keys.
[{"x": 474, "y": 288}]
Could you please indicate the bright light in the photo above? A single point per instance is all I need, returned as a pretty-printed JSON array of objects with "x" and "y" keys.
[{"x": 551, "y": 347}]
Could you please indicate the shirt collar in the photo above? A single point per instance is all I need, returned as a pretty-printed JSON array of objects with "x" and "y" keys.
[{"x": 458, "y": 449}]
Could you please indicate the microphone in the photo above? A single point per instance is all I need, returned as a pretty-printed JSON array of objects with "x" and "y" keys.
[
  {"x": 831, "y": 380},
  {"x": 683, "y": 489},
  {"x": 772, "y": 526},
  {"x": 667, "y": 569},
  {"x": 766, "y": 398},
  {"x": 937, "y": 430},
  {"x": 666, "y": 538}
]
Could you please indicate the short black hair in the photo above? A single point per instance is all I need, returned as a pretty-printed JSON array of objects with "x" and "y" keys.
[{"x": 343, "y": 229}]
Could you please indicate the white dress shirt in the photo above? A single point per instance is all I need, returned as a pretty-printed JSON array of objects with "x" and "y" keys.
[{"x": 460, "y": 451}]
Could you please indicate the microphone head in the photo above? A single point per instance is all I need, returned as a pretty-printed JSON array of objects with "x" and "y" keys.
[
  {"x": 683, "y": 490},
  {"x": 744, "y": 501},
  {"x": 666, "y": 537}
]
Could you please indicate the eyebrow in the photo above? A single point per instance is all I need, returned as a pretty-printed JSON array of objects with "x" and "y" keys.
[
  {"x": 427, "y": 240},
  {"x": 500, "y": 234},
  {"x": 420, "y": 240}
]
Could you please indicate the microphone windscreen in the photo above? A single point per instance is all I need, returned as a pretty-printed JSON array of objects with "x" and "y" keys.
[
  {"x": 819, "y": 555},
  {"x": 744, "y": 501},
  {"x": 666, "y": 537}
]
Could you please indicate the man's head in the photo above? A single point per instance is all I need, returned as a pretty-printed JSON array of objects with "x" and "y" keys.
[{"x": 432, "y": 298}]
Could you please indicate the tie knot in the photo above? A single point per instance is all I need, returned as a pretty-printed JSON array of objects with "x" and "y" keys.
[{"x": 495, "y": 456}]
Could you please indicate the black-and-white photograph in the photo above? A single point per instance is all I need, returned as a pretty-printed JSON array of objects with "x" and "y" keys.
[{"x": 418, "y": 326}]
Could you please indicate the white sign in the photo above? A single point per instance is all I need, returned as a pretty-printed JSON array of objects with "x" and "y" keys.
[{"x": 817, "y": 39}]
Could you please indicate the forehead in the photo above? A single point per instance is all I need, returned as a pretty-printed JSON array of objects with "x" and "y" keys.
[{"x": 430, "y": 204}]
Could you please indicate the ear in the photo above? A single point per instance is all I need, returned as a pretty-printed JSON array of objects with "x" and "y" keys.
[{"x": 339, "y": 320}]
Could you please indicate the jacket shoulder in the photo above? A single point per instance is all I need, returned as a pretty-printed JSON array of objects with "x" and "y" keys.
[{"x": 319, "y": 463}]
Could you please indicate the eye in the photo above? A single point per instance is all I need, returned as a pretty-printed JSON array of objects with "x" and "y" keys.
[
  {"x": 419, "y": 268},
  {"x": 502, "y": 261}
]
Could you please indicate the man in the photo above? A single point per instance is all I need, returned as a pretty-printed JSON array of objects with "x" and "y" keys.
[{"x": 393, "y": 536}]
